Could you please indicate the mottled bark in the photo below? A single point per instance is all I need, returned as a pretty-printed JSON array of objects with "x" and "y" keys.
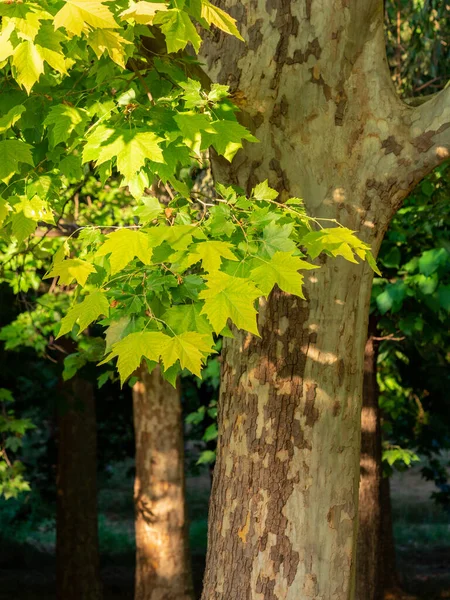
[
  {"x": 369, "y": 583},
  {"x": 77, "y": 554},
  {"x": 314, "y": 86},
  {"x": 162, "y": 554}
]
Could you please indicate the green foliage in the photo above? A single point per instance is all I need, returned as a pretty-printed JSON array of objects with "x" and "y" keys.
[
  {"x": 411, "y": 300},
  {"x": 105, "y": 93},
  {"x": 12, "y": 431}
]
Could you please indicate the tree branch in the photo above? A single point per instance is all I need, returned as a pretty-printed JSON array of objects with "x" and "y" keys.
[{"x": 430, "y": 131}]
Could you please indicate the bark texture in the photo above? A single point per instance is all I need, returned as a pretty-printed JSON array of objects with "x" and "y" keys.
[
  {"x": 162, "y": 555},
  {"x": 314, "y": 86},
  {"x": 77, "y": 554},
  {"x": 369, "y": 577}
]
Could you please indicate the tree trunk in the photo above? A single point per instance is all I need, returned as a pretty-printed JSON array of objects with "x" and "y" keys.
[
  {"x": 163, "y": 569},
  {"x": 369, "y": 583},
  {"x": 389, "y": 568},
  {"x": 77, "y": 553},
  {"x": 314, "y": 86}
]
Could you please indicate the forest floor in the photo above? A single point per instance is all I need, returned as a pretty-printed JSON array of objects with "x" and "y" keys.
[{"x": 422, "y": 533}]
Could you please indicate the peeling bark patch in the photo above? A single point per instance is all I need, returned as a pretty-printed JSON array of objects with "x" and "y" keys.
[
  {"x": 280, "y": 110},
  {"x": 287, "y": 25},
  {"x": 391, "y": 146},
  {"x": 283, "y": 184},
  {"x": 425, "y": 142},
  {"x": 311, "y": 412},
  {"x": 308, "y": 9},
  {"x": 341, "y": 105},
  {"x": 255, "y": 37},
  {"x": 300, "y": 57},
  {"x": 317, "y": 78}
]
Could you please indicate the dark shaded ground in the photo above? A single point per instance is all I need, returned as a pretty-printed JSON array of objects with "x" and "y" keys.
[{"x": 422, "y": 533}]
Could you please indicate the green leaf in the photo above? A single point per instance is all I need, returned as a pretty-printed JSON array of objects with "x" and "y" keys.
[
  {"x": 263, "y": 192},
  {"x": 11, "y": 117},
  {"x": 277, "y": 238},
  {"x": 392, "y": 297},
  {"x": 149, "y": 209},
  {"x": 131, "y": 148},
  {"x": 206, "y": 457},
  {"x": 13, "y": 152},
  {"x": 115, "y": 332},
  {"x": 63, "y": 120},
  {"x": 216, "y": 16},
  {"x": 187, "y": 317},
  {"x": 282, "y": 269},
  {"x": 123, "y": 246},
  {"x": 431, "y": 260},
  {"x": 226, "y": 137},
  {"x": 337, "y": 241},
  {"x": 190, "y": 348},
  {"x": 178, "y": 30},
  {"x": 85, "y": 312},
  {"x": 22, "y": 226},
  {"x": 228, "y": 297},
  {"x": 71, "y": 269}
]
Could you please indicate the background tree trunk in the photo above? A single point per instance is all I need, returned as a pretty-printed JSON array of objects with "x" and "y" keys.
[
  {"x": 389, "y": 569},
  {"x": 77, "y": 553},
  {"x": 163, "y": 569},
  {"x": 369, "y": 582}
]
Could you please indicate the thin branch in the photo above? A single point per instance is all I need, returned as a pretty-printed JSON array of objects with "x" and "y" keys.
[{"x": 142, "y": 80}]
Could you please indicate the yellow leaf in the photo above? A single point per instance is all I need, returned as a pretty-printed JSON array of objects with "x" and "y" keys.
[
  {"x": 6, "y": 48},
  {"x": 28, "y": 63},
  {"x": 102, "y": 40},
  {"x": 190, "y": 348},
  {"x": 78, "y": 16},
  {"x": 142, "y": 12},
  {"x": 70, "y": 269},
  {"x": 123, "y": 246},
  {"x": 216, "y": 16}
]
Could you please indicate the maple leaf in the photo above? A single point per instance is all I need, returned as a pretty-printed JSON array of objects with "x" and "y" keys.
[
  {"x": 216, "y": 16},
  {"x": 263, "y": 192},
  {"x": 13, "y": 152},
  {"x": 22, "y": 226},
  {"x": 105, "y": 40},
  {"x": 130, "y": 148},
  {"x": 71, "y": 269},
  {"x": 228, "y": 297},
  {"x": 11, "y": 117},
  {"x": 211, "y": 254},
  {"x": 78, "y": 16},
  {"x": 63, "y": 121},
  {"x": 226, "y": 137},
  {"x": 190, "y": 348},
  {"x": 149, "y": 209},
  {"x": 29, "y": 64},
  {"x": 131, "y": 349},
  {"x": 143, "y": 12},
  {"x": 85, "y": 312},
  {"x": 282, "y": 269},
  {"x": 178, "y": 29},
  {"x": 187, "y": 317},
  {"x": 123, "y": 246}
]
